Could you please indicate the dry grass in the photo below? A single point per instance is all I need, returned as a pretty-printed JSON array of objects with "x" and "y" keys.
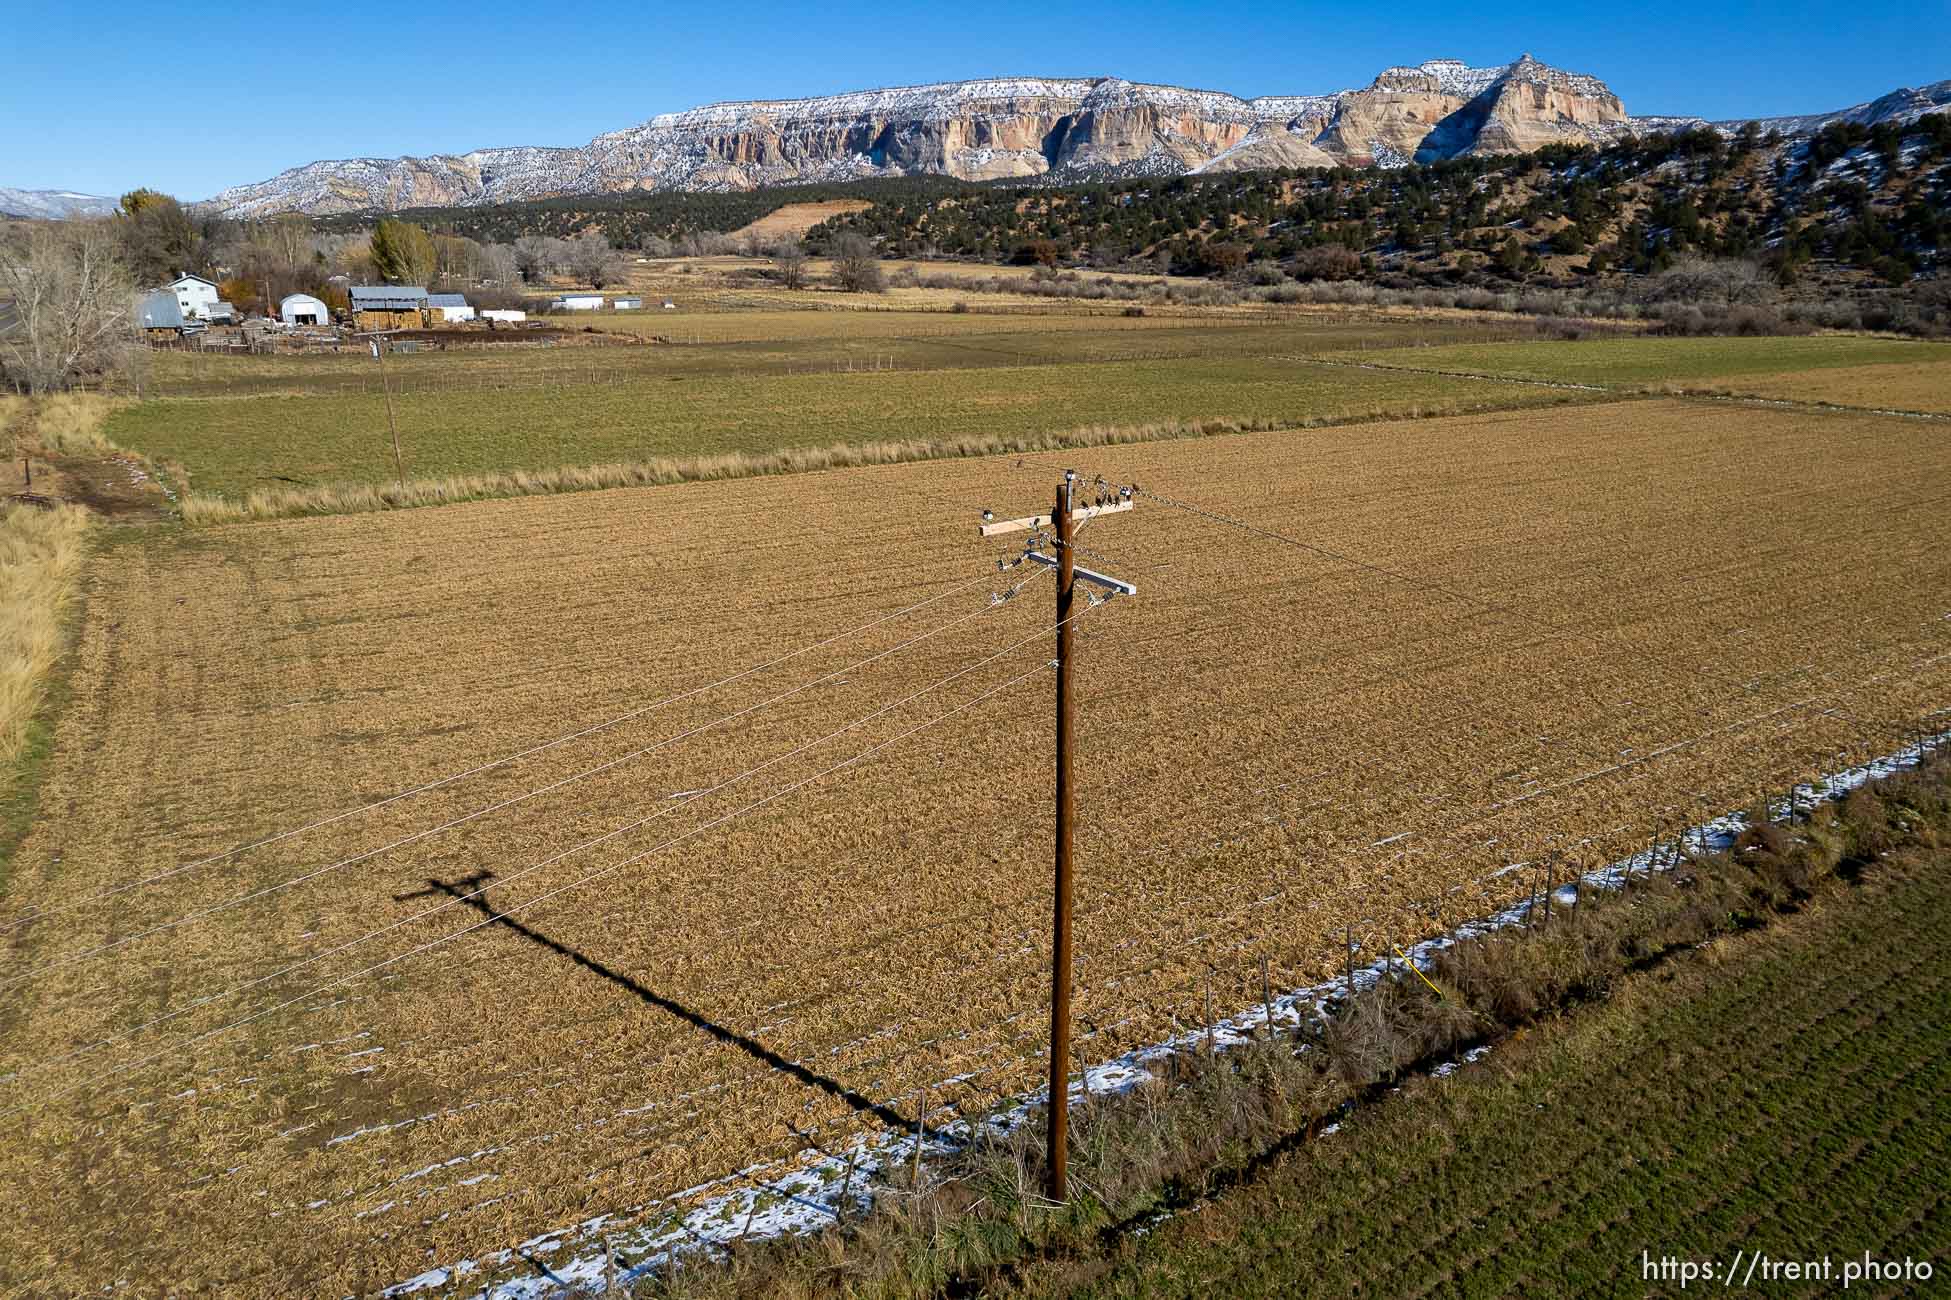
[
  {"x": 40, "y": 558},
  {"x": 1274, "y": 743},
  {"x": 70, "y": 423},
  {"x": 798, "y": 218}
]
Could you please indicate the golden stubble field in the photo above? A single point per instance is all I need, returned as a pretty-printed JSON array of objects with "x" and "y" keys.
[{"x": 1623, "y": 616}]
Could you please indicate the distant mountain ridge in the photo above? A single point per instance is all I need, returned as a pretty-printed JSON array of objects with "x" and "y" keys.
[
  {"x": 999, "y": 128},
  {"x": 53, "y": 204},
  {"x": 987, "y": 130}
]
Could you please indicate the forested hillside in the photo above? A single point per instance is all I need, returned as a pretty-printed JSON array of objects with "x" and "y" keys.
[{"x": 1875, "y": 203}]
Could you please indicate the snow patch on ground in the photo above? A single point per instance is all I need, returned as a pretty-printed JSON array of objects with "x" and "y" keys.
[{"x": 821, "y": 1188}]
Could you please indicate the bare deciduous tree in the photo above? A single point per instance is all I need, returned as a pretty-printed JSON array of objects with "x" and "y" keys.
[
  {"x": 72, "y": 309},
  {"x": 856, "y": 266},
  {"x": 594, "y": 262},
  {"x": 535, "y": 257},
  {"x": 789, "y": 258},
  {"x": 1724, "y": 280},
  {"x": 498, "y": 264}
]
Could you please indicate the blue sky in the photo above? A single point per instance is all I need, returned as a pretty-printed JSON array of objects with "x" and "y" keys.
[{"x": 106, "y": 95}]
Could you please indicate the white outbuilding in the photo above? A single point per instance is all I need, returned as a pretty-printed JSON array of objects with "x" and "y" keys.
[
  {"x": 449, "y": 308},
  {"x": 578, "y": 302},
  {"x": 506, "y": 315},
  {"x": 303, "y": 309}
]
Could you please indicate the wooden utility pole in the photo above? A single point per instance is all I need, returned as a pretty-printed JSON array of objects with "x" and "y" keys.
[
  {"x": 1066, "y": 813},
  {"x": 399, "y": 470},
  {"x": 1065, "y": 517}
]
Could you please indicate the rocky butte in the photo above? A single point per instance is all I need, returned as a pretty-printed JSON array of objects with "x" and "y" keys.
[{"x": 1069, "y": 129}]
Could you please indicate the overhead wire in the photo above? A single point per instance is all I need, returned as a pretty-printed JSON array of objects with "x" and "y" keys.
[
  {"x": 267, "y": 890},
  {"x": 481, "y": 768},
  {"x": 459, "y": 899}
]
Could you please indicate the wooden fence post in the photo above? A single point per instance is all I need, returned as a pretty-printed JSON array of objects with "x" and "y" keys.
[
  {"x": 921, "y": 1120},
  {"x": 1267, "y": 995}
]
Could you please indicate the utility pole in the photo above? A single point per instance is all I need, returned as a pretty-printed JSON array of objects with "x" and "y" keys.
[
  {"x": 399, "y": 471},
  {"x": 1066, "y": 814},
  {"x": 1064, "y": 516}
]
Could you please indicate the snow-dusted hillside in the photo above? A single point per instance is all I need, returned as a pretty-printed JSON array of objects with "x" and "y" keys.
[
  {"x": 1902, "y": 106},
  {"x": 975, "y": 130},
  {"x": 1017, "y": 127},
  {"x": 53, "y": 204}
]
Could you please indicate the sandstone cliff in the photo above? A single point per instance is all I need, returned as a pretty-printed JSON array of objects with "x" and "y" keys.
[{"x": 989, "y": 130}]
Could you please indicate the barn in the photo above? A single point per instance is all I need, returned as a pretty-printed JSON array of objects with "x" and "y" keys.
[
  {"x": 388, "y": 307},
  {"x": 303, "y": 309},
  {"x": 449, "y": 308},
  {"x": 160, "y": 314}
]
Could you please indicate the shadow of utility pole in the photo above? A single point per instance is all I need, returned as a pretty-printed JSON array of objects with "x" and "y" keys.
[{"x": 464, "y": 890}]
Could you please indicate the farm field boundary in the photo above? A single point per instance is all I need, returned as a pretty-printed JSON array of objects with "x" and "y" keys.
[
  {"x": 360, "y": 498},
  {"x": 41, "y": 554},
  {"x": 829, "y": 1188},
  {"x": 1792, "y": 1118}
]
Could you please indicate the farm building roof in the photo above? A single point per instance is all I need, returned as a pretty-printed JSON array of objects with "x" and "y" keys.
[
  {"x": 387, "y": 297},
  {"x": 160, "y": 311},
  {"x": 446, "y": 300}
]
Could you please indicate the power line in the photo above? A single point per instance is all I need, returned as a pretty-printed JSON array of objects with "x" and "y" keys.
[
  {"x": 281, "y": 836},
  {"x": 416, "y": 837},
  {"x": 459, "y": 899}
]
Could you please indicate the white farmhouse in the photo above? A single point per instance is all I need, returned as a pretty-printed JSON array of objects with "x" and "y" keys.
[{"x": 195, "y": 296}]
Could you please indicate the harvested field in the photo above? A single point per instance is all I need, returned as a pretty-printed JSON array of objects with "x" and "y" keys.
[
  {"x": 1614, "y": 617},
  {"x": 1922, "y": 385}
]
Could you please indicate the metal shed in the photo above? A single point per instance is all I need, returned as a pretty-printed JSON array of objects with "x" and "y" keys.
[
  {"x": 160, "y": 311},
  {"x": 449, "y": 307},
  {"x": 303, "y": 309}
]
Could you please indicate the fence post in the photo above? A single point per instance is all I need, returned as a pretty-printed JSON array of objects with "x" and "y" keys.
[
  {"x": 1209, "y": 1006},
  {"x": 1349, "y": 932},
  {"x": 846, "y": 1188},
  {"x": 921, "y": 1120},
  {"x": 1267, "y": 995}
]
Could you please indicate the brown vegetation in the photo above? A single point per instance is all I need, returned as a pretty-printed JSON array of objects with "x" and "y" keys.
[{"x": 1531, "y": 646}]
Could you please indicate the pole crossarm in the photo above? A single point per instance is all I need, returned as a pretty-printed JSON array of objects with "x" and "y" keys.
[
  {"x": 1117, "y": 586},
  {"x": 1001, "y": 526}
]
